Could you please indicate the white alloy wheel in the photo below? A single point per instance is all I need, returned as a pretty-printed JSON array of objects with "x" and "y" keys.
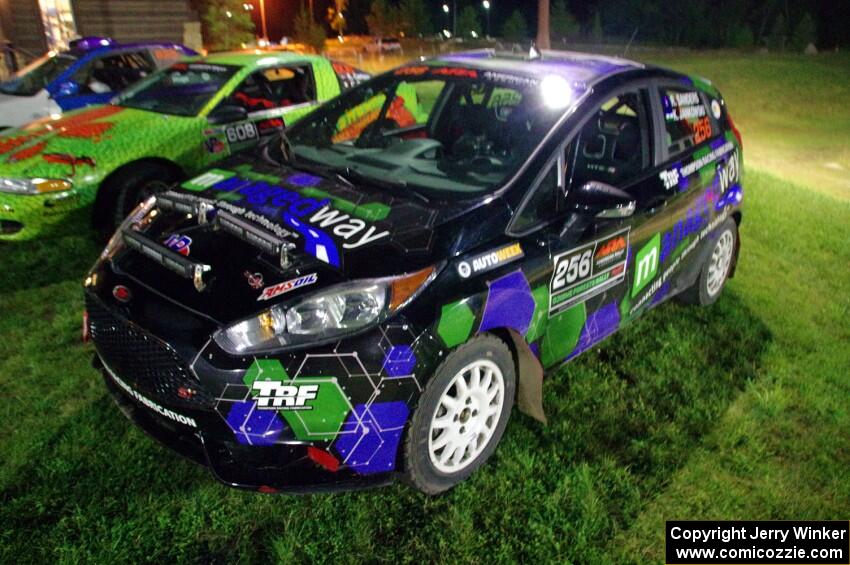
[
  {"x": 718, "y": 266},
  {"x": 467, "y": 416}
]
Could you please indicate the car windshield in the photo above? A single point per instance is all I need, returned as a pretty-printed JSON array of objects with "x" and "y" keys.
[
  {"x": 182, "y": 89},
  {"x": 37, "y": 75},
  {"x": 442, "y": 131}
]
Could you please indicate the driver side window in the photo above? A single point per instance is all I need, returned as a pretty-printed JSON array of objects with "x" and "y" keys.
[
  {"x": 276, "y": 87},
  {"x": 613, "y": 146}
]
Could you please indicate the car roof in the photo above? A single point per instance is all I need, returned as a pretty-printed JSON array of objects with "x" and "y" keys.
[
  {"x": 579, "y": 68},
  {"x": 259, "y": 58}
]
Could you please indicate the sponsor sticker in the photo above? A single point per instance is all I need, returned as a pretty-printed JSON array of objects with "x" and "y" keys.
[
  {"x": 279, "y": 395},
  {"x": 148, "y": 403},
  {"x": 715, "y": 109},
  {"x": 182, "y": 244},
  {"x": 588, "y": 270},
  {"x": 255, "y": 280},
  {"x": 489, "y": 260},
  {"x": 282, "y": 288}
]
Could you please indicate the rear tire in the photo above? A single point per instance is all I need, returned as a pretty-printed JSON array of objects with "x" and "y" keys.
[
  {"x": 461, "y": 416},
  {"x": 715, "y": 271},
  {"x": 127, "y": 189}
]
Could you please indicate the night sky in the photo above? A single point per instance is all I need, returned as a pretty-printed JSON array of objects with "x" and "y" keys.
[{"x": 833, "y": 16}]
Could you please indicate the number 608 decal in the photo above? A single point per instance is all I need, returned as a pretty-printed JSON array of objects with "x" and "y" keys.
[
  {"x": 241, "y": 132},
  {"x": 588, "y": 270}
]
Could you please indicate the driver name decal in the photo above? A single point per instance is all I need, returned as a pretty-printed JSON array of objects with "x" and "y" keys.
[{"x": 588, "y": 270}]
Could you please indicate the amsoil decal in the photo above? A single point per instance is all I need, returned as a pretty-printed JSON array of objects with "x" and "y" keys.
[
  {"x": 588, "y": 270},
  {"x": 489, "y": 260},
  {"x": 284, "y": 287}
]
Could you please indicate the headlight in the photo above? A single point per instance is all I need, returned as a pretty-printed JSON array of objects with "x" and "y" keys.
[
  {"x": 34, "y": 186},
  {"x": 333, "y": 312}
]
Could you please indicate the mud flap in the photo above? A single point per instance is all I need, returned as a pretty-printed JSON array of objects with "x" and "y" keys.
[{"x": 530, "y": 386}]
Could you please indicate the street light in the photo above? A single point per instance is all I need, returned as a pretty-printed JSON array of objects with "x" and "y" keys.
[
  {"x": 454, "y": 15},
  {"x": 486, "y": 4}
]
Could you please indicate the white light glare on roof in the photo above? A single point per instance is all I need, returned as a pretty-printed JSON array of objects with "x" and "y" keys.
[{"x": 556, "y": 92}]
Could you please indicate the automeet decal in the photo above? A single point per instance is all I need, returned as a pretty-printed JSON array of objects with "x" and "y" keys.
[
  {"x": 282, "y": 288},
  {"x": 182, "y": 244},
  {"x": 255, "y": 280},
  {"x": 489, "y": 260},
  {"x": 588, "y": 270}
]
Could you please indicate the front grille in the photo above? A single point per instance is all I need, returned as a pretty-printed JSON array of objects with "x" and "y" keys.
[{"x": 142, "y": 360}]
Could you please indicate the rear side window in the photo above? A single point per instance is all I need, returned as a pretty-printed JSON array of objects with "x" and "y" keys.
[{"x": 686, "y": 119}]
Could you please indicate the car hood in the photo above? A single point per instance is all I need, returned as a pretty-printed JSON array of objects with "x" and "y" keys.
[
  {"x": 81, "y": 142},
  {"x": 338, "y": 233}
]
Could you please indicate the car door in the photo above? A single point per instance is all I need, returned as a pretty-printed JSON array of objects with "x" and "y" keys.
[
  {"x": 104, "y": 76},
  {"x": 699, "y": 165},
  {"x": 593, "y": 256}
]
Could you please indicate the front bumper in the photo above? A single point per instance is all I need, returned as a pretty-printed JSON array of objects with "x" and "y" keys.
[
  {"x": 202, "y": 405},
  {"x": 26, "y": 216}
]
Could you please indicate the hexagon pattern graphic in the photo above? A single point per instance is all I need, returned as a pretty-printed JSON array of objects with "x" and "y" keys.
[
  {"x": 252, "y": 426},
  {"x": 373, "y": 435}
]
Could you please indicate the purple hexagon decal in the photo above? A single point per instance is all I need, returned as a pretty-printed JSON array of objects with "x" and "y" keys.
[
  {"x": 509, "y": 304},
  {"x": 253, "y": 426},
  {"x": 399, "y": 361},
  {"x": 370, "y": 436},
  {"x": 598, "y": 326}
]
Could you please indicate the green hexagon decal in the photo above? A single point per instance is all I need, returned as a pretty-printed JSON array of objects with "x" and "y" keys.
[
  {"x": 318, "y": 406},
  {"x": 455, "y": 323}
]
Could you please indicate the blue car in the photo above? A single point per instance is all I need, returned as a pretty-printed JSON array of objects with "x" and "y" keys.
[{"x": 92, "y": 71}]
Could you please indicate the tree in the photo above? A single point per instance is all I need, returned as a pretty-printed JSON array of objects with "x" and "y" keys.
[
  {"x": 804, "y": 33},
  {"x": 335, "y": 17},
  {"x": 383, "y": 19},
  {"x": 543, "y": 24},
  {"x": 413, "y": 17},
  {"x": 468, "y": 22},
  {"x": 562, "y": 22},
  {"x": 227, "y": 25},
  {"x": 308, "y": 31},
  {"x": 740, "y": 36},
  {"x": 515, "y": 29},
  {"x": 596, "y": 29},
  {"x": 778, "y": 33}
]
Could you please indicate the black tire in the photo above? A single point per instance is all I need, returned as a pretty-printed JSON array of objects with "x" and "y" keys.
[
  {"x": 126, "y": 189},
  {"x": 419, "y": 470},
  {"x": 704, "y": 292}
]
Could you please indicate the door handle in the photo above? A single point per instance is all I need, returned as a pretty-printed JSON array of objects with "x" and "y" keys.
[{"x": 655, "y": 205}]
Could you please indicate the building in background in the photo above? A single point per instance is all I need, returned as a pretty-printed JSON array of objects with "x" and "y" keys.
[{"x": 35, "y": 26}]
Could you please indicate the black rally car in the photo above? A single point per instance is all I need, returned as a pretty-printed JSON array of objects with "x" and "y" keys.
[{"x": 371, "y": 293}]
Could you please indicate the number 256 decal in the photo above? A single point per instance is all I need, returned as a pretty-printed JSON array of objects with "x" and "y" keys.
[
  {"x": 588, "y": 270},
  {"x": 241, "y": 132}
]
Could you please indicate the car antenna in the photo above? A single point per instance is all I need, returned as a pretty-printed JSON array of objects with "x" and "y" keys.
[
  {"x": 629, "y": 44},
  {"x": 533, "y": 52}
]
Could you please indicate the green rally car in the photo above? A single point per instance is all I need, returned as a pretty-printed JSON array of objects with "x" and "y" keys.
[{"x": 104, "y": 159}]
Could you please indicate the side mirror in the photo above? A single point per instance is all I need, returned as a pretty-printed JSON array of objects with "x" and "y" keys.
[
  {"x": 67, "y": 88},
  {"x": 227, "y": 113},
  {"x": 603, "y": 201}
]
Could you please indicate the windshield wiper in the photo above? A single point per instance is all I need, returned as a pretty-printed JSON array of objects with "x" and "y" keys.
[{"x": 397, "y": 186}]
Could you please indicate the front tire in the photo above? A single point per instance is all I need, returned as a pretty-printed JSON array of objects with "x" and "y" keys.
[
  {"x": 461, "y": 416},
  {"x": 715, "y": 271},
  {"x": 126, "y": 189}
]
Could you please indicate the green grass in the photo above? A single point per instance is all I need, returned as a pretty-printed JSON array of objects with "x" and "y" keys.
[{"x": 736, "y": 411}]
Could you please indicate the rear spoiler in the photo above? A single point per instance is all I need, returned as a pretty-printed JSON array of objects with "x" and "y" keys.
[{"x": 207, "y": 213}]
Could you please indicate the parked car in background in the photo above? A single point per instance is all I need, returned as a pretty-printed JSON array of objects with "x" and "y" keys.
[
  {"x": 368, "y": 298},
  {"x": 171, "y": 124},
  {"x": 383, "y": 45},
  {"x": 92, "y": 71}
]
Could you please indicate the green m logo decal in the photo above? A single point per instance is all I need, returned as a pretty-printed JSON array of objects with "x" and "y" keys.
[{"x": 646, "y": 264}]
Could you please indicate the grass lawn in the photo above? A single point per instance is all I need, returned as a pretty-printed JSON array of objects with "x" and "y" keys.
[{"x": 737, "y": 411}]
